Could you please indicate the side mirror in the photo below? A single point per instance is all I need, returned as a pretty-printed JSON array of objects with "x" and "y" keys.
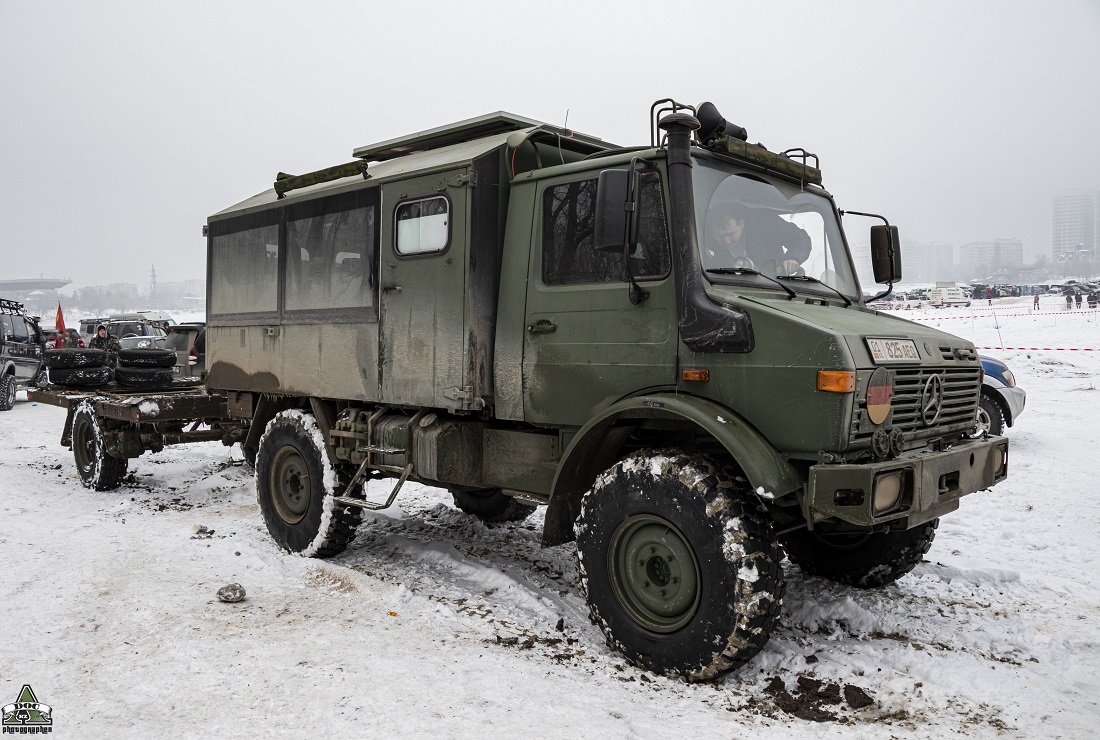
[
  {"x": 886, "y": 254},
  {"x": 612, "y": 215}
]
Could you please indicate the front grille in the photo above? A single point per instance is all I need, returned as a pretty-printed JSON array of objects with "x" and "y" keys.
[
  {"x": 961, "y": 387},
  {"x": 958, "y": 353}
]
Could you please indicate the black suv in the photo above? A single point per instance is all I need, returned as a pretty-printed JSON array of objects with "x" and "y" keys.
[{"x": 20, "y": 351}]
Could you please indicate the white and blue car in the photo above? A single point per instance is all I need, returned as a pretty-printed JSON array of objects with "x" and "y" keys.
[{"x": 1001, "y": 401}]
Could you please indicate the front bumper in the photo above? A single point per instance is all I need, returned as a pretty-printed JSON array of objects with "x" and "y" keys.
[
  {"x": 1014, "y": 399},
  {"x": 931, "y": 484}
]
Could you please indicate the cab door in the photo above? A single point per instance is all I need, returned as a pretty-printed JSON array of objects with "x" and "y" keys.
[
  {"x": 586, "y": 344},
  {"x": 422, "y": 279}
]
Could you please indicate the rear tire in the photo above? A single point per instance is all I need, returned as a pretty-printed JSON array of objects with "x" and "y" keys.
[
  {"x": 146, "y": 357},
  {"x": 143, "y": 377},
  {"x": 678, "y": 565},
  {"x": 861, "y": 559},
  {"x": 295, "y": 485},
  {"x": 491, "y": 505},
  {"x": 7, "y": 392},
  {"x": 81, "y": 377},
  {"x": 70, "y": 358},
  {"x": 98, "y": 470}
]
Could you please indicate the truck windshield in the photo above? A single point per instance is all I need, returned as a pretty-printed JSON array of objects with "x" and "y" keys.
[{"x": 777, "y": 229}]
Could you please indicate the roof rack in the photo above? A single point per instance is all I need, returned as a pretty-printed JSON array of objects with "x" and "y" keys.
[
  {"x": 478, "y": 127},
  {"x": 15, "y": 308}
]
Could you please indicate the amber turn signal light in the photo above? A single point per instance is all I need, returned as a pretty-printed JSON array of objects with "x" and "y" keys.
[
  {"x": 701, "y": 376},
  {"x": 836, "y": 381}
]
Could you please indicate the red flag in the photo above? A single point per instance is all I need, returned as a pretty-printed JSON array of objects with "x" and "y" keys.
[{"x": 59, "y": 322}]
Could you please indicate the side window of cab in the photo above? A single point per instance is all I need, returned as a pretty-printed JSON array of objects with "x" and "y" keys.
[{"x": 568, "y": 216}]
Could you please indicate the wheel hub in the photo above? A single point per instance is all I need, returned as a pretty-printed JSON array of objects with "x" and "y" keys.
[
  {"x": 290, "y": 483},
  {"x": 653, "y": 573}
]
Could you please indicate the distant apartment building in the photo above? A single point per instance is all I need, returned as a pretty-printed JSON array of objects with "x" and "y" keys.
[
  {"x": 927, "y": 262},
  {"x": 982, "y": 260},
  {"x": 1075, "y": 225}
]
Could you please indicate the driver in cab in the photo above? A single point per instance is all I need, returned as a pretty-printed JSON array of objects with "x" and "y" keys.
[{"x": 740, "y": 237}]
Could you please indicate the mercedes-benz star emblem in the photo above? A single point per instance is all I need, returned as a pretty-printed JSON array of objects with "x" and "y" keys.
[{"x": 931, "y": 400}]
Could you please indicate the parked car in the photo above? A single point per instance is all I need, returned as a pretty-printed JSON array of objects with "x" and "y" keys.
[
  {"x": 87, "y": 326},
  {"x": 21, "y": 349},
  {"x": 940, "y": 297},
  {"x": 189, "y": 343},
  {"x": 898, "y": 302},
  {"x": 1001, "y": 399},
  {"x": 140, "y": 342},
  {"x": 49, "y": 336},
  {"x": 132, "y": 325}
]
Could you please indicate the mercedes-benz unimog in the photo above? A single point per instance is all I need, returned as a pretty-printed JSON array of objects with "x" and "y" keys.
[{"x": 666, "y": 345}]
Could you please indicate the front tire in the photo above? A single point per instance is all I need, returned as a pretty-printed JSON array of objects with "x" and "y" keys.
[
  {"x": 98, "y": 470},
  {"x": 991, "y": 419},
  {"x": 860, "y": 559},
  {"x": 678, "y": 565},
  {"x": 295, "y": 485}
]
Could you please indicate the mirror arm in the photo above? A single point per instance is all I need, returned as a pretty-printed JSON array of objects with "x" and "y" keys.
[
  {"x": 889, "y": 284},
  {"x": 636, "y": 294}
]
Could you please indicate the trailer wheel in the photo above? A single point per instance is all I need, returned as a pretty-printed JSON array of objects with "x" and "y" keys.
[
  {"x": 80, "y": 377},
  {"x": 295, "y": 485},
  {"x": 7, "y": 392},
  {"x": 152, "y": 357},
  {"x": 74, "y": 358},
  {"x": 491, "y": 505},
  {"x": 97, "y": 469},
  {"x": 861, "y": 559},
  {"x": 678, "y": 564}
]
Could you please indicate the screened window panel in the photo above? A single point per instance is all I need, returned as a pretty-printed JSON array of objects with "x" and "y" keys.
[
  {"x": 330, "y": 260},
  {"x": 244, "y": 271}
]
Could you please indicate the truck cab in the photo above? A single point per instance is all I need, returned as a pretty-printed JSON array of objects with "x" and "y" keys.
[{"x": 667, "y": 345}]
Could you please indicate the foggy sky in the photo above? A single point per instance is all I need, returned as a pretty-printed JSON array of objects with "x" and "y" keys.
[{"x": 123, "y": 125}]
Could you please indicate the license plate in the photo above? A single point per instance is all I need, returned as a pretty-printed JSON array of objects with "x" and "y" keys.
[{"x": 886, "y": 351}]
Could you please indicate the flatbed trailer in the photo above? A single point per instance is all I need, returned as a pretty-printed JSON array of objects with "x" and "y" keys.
[{"x": 108, "y": 426}]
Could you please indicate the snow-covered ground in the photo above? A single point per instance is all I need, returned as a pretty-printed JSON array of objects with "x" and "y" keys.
[{"x": 434, "y": 624}]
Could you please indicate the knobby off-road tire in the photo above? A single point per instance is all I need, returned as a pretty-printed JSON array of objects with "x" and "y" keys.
[
  {"x": 295, "y": 484},
  {"x": 991, "y": 418},
  {"x": 863, "y": 560},
  {"x": 678, "y": 564},
  {"x": 7, "y": 392},
  {"x": 98, "y": 470},
  {"x": 143, "y": 377},
  {"x": 80, "y": 377},
  {"x": 69, "y": 358},
  {"x": 491, "y": 505},
  {"x": 152, "y": 357}
]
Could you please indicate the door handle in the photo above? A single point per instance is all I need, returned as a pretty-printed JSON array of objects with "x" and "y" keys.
[
  {"x": 542, "y": 326},
  {"x": 388, "y": 288}
]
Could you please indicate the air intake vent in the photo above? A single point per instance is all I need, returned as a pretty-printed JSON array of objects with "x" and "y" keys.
[{"x": 962, "y": 354}]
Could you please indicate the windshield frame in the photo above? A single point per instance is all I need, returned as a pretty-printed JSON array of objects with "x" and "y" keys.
[{"x": 833, "y": 231}]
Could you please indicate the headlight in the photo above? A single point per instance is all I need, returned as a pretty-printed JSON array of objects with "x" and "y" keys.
[
  {"x": 1010, "y": 379},
  {"x": 887, "y": 491}
]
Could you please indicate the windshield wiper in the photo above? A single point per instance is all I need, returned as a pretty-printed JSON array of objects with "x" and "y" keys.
[
  {"x": 748, "y": 271},
  {"x": 808, "y": 279}
]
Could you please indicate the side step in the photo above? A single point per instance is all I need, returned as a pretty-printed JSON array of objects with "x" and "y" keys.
[{"x": 373, "y": 505}]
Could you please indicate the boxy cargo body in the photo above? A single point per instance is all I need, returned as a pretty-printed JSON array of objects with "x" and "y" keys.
[{"x": 441, "y": 309}]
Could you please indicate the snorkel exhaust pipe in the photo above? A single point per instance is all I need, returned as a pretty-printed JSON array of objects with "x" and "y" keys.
[{"x": 705, "y": 326}]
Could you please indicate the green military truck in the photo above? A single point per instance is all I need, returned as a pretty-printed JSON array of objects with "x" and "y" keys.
[{"x": 666, "y": 345}]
